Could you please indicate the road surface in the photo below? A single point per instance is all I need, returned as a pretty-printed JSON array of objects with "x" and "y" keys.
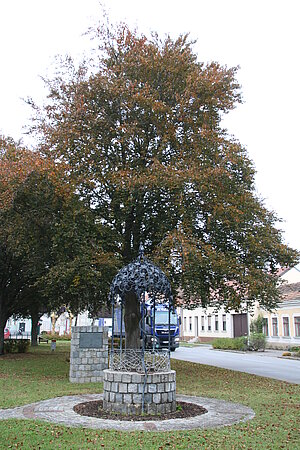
[{"x": 266, "y": 364}]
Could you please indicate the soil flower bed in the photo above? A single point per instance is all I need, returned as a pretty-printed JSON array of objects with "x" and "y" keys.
[{"x": 95, "y": 409}]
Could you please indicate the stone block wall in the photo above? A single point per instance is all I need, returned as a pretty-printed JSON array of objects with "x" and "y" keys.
[
  {"x": 89, "y": 354},
  {"x": 122, "y": 392}
]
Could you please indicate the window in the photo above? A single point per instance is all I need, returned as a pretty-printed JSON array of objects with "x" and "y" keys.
[
  {"x": 209, "y": 323},
  {"x": 224, "y": 322},
  {"x": 286, "y": 326},
  {"x": 297, "y": 326},
  {"x": 216, "y": 323},
  {"x": 266, "y": 326},
  {"x": 184, "y": 323},
  {"x": 274, "y": 326},
  {"x": 202, "y": 323},
  {"x": 196, "y": 327},
  {"x": 190, "y": 323}
]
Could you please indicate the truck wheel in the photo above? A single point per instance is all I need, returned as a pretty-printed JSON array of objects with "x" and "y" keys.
[{"x": 173, "y": 349}]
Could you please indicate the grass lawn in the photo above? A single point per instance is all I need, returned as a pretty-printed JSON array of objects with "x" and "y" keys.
[{"x": 42, "y": 374}]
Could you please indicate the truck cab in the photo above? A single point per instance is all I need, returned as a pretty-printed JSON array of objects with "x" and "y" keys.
[{"x": 159, "y": 338}]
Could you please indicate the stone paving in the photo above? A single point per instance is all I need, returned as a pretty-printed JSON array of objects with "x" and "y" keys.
[{"x": 59, "y": 410}]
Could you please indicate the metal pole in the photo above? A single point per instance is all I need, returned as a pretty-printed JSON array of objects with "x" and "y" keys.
[
  {"x": 143, "y": 352},
  {"x": 153, "y": 325},
  {"x": 121, "y": 326},
  {"x": 169, "y": 344},
  {"x": 142, "y": 322},
  {"x": 113, "y": 324}
]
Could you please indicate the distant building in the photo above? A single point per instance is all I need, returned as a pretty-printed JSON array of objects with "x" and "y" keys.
[
  {"x": 62, "y": 324},
  {"x": 281, "y": 326},
  {"x": 205, "y": 324}
]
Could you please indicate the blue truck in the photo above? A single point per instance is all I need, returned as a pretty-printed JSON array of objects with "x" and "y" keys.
[{"x": 158, "y": 338}]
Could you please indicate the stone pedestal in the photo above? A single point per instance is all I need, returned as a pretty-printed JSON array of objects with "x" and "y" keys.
[
  {"x": 89, "y": 354},
  {"x": 123, "y": 392}
]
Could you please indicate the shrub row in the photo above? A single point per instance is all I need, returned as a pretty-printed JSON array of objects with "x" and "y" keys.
[
  {"x": 239, "y": 343},
  {"x": 56, "y": 336},
  {"x": 16, "y": 345},
  {"x": 256, "y": 341}
]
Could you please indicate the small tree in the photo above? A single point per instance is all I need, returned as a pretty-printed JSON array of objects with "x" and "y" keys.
[
  {"x": 257, "y": 341},
  {"x": 257, "y": 325}
]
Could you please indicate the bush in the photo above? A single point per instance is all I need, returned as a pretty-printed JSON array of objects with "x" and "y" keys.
[
  {"x": 295, "y": 349},
  {"x": 239, "y": 343},
  {"x": 256, "y": 326},
  {"x": 16, "y": 345},
  {"x": 257, "y": 341},
  {"x": 56, "y": 336}
]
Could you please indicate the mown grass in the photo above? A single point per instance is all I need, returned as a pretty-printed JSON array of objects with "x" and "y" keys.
[{"x": 43, "y": 374}]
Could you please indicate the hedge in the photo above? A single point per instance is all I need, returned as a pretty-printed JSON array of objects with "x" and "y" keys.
[
  {"x": 256, "y": 341},
  {"x": 16, "y": 345},
  {"x": 239, "y": 343}
]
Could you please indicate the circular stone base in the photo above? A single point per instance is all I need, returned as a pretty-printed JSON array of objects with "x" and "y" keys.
[
  {"x": 59, "y": 410},
  {"x": 123, "y": 392}
]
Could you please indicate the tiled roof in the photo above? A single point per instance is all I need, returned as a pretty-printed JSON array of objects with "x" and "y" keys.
[
  {"x": 282, "y": 271},
  {"x": 290, "y": 291}
]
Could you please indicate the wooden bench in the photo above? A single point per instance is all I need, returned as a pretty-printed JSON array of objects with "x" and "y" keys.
[{"x": 42, "y": 339}]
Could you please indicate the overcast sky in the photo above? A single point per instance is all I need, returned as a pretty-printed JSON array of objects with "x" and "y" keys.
[{"x": 261, "y": 36}]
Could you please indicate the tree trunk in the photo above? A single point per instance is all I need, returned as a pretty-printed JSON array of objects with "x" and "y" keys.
[
  {"x": 132, "y": 318},
  {"x": 53, "y": 322},
  {"x": 2, "y": 326},
  {"x": 35, "y": 317}
]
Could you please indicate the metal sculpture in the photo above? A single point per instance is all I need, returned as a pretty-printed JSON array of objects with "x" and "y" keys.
[{"x": 143, "y": 278}]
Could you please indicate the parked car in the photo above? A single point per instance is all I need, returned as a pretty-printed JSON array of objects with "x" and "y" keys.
[{"x": 6, "y": 333}]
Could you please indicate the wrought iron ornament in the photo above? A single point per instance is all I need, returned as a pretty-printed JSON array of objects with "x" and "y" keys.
[
  {"x": 131, "y": 360},
  {"x": 141, "y": 276}
]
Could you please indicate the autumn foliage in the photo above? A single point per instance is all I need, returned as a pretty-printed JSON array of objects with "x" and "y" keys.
[
  {"x": 131, "y": 149},
  {"x": 51, "y": 251},
  {"x": 140, "y": 131}
]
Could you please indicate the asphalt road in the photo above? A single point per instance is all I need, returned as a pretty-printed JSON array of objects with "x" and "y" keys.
[{"x": 266, "y": 364}]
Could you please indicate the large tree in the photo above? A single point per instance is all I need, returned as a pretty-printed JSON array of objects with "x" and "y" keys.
[
  {"x": 17, "y": 274},
  {"x": 140, "y": 131}
]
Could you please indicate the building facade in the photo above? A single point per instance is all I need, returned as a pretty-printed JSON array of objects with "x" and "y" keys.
[
  {"x": 281, "y": 326},
  {"x": 207, "y": 324}
]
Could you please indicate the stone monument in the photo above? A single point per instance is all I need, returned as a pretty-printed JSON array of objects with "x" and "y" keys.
[{"x": 89, "y": 354}]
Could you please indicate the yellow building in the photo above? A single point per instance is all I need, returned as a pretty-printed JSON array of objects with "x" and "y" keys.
[{"x": 282, "y": 326}]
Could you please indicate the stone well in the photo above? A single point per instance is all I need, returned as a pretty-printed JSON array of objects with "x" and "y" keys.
[{"x": 149, "y": 388}]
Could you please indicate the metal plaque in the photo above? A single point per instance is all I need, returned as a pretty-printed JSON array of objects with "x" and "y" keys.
[{"x": 91, "y": 340}]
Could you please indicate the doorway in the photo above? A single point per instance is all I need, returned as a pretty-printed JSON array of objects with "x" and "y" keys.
[{"x": 240, "y": 325}]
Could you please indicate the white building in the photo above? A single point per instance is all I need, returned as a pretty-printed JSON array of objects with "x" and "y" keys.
[
  {"x": 62, "y": 323},
  {"x": 207, "y": 324},
  {"x": 282, "y": 326}
]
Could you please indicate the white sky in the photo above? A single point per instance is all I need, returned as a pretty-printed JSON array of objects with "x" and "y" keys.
[{"x": 261, "y": 36}]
